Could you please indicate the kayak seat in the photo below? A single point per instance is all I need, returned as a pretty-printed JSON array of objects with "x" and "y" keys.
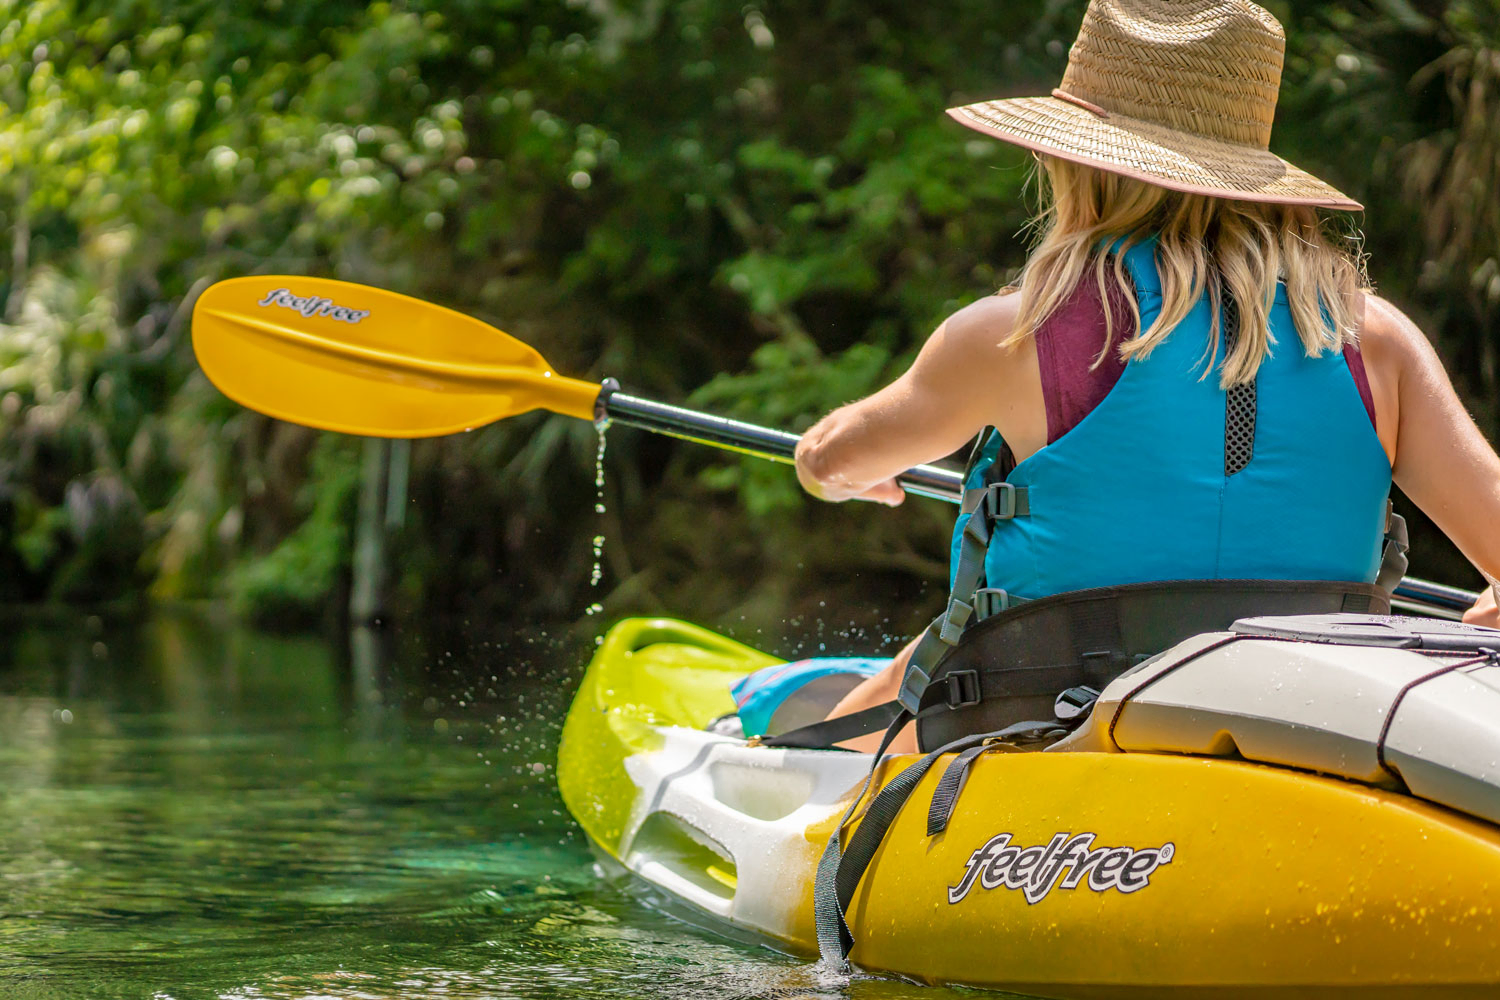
[{"x": 1010, "y": 667}]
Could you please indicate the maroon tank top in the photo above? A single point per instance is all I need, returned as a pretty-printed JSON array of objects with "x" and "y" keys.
[{"x": 1069, "y": 341}]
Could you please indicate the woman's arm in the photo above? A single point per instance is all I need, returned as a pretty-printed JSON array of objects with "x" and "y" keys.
[
  {"x": 1443, "y": 462},
  {"x": 961, "y": 382}
]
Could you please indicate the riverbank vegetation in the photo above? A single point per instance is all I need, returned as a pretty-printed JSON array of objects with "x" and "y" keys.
[{"x": 756, "y": 208}]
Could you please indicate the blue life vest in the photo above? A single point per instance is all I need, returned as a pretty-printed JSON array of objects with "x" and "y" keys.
[{"x": 1139, "y": 492}]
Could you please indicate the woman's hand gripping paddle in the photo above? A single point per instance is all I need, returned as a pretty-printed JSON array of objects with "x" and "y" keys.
[{"x": 350, "y": 358}]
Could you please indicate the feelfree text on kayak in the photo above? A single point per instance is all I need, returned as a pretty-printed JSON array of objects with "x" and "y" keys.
[{"x": 1065, "y": 862}]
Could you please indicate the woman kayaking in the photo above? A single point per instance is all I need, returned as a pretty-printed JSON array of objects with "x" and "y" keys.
[{"x": 1190, "y": 379}]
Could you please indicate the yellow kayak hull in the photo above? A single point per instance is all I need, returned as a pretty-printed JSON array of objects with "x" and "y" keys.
[{"x": 1250, "y": 878}]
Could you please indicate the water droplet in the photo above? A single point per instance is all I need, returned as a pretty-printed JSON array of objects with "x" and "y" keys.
[{"x": 597, "y": 573}]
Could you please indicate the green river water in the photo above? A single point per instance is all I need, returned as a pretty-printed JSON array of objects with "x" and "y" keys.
[{"x": 191, "y": 810}]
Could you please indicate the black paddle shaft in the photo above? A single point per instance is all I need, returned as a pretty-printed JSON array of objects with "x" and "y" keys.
[
  {"x": 932, "y": 481},
  {"x": 749, "y": 439}
]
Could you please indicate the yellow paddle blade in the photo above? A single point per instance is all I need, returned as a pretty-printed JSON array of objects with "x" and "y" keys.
[{"x": 360, "y": 360}]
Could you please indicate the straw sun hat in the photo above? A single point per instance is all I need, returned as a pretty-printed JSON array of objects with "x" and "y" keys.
[{"x": 1177, "y": 93}]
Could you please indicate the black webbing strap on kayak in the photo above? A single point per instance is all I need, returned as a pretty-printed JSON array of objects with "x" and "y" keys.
[
  {"x": 840, "y": 869},
  {"x": 945, "y": 795},
  {"x": 951, "y": 784},
  {"x": 829, "y": 733},
  {"x": 834, "y": 940},
  {"x": 825, "y": 734}
]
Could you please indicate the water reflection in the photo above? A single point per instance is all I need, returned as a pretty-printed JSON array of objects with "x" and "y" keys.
[{"x": 188, "y": 810}]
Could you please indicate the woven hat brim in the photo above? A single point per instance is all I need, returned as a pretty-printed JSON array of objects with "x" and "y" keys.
[{"x": 1150, "y": 152}]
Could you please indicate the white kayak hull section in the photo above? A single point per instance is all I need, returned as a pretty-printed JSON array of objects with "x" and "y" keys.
[{"x": 750, "y": 806}]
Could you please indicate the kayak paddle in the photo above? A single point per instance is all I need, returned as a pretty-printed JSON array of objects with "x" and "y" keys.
[{"x": 360, "y": 360}]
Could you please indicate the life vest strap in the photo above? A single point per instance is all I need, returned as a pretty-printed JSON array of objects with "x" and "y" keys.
[
  {"x": 983, "y": 507},
  {"x": 1000, "y": 501}
]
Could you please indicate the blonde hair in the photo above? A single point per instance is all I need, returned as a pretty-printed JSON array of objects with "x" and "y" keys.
[{"x": 1203, "y": 244}]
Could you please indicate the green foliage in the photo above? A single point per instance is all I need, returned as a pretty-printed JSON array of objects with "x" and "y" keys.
[{"x": 763, "y": 202}]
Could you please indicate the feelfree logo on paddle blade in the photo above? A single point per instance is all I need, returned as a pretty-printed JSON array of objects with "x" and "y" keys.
[
  {"x": 312, "y": 305},
  {"x": 1064, "y": 862}
]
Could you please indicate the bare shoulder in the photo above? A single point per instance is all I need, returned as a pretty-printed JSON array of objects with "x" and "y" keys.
[
  {"x": 984, "y": 322},
  {"x": 1390, "y": 340},
  {"x": 968, "y": 364}
]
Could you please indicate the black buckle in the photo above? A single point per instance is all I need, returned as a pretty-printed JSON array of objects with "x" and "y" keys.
[
  {"x": 1074, "y": 703},
  {"x": 963, "y": 688}
]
